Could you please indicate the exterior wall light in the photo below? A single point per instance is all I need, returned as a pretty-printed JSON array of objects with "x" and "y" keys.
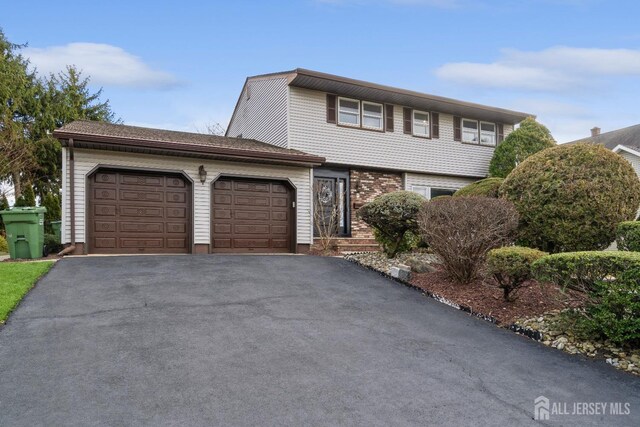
[{"x": 202, "y": 174}]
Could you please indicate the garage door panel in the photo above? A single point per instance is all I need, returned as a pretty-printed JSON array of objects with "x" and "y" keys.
[
  {"x": 104, "y": 210},
  {"x": 105, "y": 242},
  {"x": 104, "y": 193},
  {"x": 142, "y": 180},
  {"x": 174, "y": 212},
  {"x": 141, "y": 227},
  {"x": 255, "y": 187},
  {"x": 251, "y": 216},
  {"x": 104, "y": 178},
  {"x": 139, "y": 213},
  {"x": 141, "y": 196}
]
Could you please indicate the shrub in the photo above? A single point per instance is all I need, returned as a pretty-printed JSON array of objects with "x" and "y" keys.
[
  {"x": 27, "y": 198},
  {"x": 461, "y": 230},
  {"x": 613, "y": 309},
  {"x": 488, "y": 187},
  {"x": 4, "y": 247},
  {"x": 51, "y": 244},
  {"x": 4, "y": 205},
  {"x": 581, "y": 270},
  {"x": 628, "y": 236},
  {"x": 572, "y": 197},
  {"x": 393, "y": 217},
  {"x": 528, "y": 139},
  {"x": 511, "y": 267}
]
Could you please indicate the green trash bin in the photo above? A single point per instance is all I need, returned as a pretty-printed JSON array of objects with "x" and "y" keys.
[
  {"x": 55, "y": 226},
  {"x": 25, "y": 231}
]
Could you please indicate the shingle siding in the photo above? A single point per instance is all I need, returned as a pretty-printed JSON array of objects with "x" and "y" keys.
[
  {"x": 262, "y": 112},
  {"x": 87, "y": 160},
  {"x": 309, "y": 132}
]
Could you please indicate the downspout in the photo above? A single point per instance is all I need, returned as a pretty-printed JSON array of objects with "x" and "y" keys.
[{"x": 72, "y": 203}]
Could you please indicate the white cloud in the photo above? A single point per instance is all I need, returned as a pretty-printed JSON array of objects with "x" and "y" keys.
[
  {"x": 554, "y": 69},
  {"x": 107, "y": 65}
]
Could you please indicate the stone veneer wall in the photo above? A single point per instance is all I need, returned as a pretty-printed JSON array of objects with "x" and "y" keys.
[{"x": 366, "y": 186}]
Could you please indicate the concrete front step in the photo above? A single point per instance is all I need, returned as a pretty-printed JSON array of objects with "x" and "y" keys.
[{"x": 353, "y": 244}]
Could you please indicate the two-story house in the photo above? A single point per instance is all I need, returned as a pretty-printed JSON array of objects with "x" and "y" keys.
[
  {"x": 294, "y": 137},
  {"x": 375, "y": 138}
]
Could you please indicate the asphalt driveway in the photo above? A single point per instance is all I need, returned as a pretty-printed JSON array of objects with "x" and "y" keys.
[{"x": 273, "y": 340}]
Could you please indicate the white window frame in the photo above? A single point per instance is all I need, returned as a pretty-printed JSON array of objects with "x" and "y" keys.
[
  {"x": 477, "y": 131},
  {"x": 362, "y": 112},
  {"x": 495, "y": 133},
  {"x": 413, "y": 124},
  {"x": 355, "y": 125}
]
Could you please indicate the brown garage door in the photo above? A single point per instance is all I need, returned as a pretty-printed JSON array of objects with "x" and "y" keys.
[
  {"x": 251, "y": 216},
  {"x": 132, "y": 212}
]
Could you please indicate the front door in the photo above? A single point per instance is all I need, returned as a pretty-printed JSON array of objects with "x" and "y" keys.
[{"x": 330, "y": 205}]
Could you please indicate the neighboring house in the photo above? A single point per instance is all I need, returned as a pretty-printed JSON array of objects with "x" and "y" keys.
[
  {"x": 625, "y": 141},
  {"x": 375, "y": 138},
  {"x": 129, "y": 189}
]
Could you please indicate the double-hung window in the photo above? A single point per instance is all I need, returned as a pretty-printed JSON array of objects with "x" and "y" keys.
[
  {"x": 372, "y": 116},
  {"x": 420, "y": 123},
  {"x": 487, "y": 133},
  {"x": 348, "y": 112},
  {"x": 470, "y": 131}
]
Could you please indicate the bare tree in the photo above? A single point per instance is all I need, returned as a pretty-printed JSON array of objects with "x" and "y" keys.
[
  {"x": 327, "y": 208},
  {"x": 214, "y": 128}
]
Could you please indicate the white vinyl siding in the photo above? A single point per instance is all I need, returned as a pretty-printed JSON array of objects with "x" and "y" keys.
[
  {"x": 633, "y": 159},
  {"x": 87, "y": 160},
  {"x": 262, "y": 112},
  {"x": 340, "y": 145}
]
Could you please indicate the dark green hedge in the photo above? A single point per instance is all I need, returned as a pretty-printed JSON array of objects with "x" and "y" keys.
[
  {"x": 488, "y": 187},
  {"x": 528, "y": 139},
  {"x": 628, "y": 236},
  {"x": 581, "y": 270},
  {"x": 572, "y": 197}
]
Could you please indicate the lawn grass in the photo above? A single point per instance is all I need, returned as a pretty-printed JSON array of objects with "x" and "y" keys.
[{"x": 16, "y": 279}]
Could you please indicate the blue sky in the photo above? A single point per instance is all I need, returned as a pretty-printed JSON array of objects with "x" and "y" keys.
[{"x": 181, "y": 65}]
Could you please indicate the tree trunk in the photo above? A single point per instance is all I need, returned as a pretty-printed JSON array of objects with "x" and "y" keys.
[{"x": 17, "y": 185}]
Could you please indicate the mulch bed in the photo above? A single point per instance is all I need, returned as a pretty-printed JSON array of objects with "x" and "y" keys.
[{"x": 484, "y": 296}]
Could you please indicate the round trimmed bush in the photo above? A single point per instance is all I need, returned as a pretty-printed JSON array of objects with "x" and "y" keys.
[
  {"x": 528, "y": 139},
  {"x": 488, "y": 187},
  {"x": 393, "y": 217},
  {"x": 572, "y": 197},
  {"x": 511, "y": 267}
]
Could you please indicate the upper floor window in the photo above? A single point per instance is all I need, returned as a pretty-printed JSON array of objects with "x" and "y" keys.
[
  {"x": 372, "y": 116},
  {"x": 420, "y": 123},
  {"x": 470, "y": 131},
  {"x": 348, "y": 112},
  {"x": 487, "y": 133}
]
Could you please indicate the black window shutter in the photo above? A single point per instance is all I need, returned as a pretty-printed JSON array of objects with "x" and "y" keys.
[
  {"x": 406, "y": 115},
  {"x": 389, "y": 117},
  {"x": 500, "y": 128},
  {"x": 331, "y": 108},
  {"x": 435, "y": 125},
  {"x": 457, "y": 128}
]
